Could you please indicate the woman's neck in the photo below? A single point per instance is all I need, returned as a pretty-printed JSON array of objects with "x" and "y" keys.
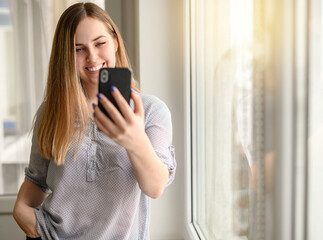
[{"x": 91, "y": 92}]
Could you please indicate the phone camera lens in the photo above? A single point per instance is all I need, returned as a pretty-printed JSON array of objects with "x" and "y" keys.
[{"x": 104, "y": 76}]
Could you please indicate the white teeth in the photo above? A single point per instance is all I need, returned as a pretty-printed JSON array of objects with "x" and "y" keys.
[{"x": 95, "y": 68}]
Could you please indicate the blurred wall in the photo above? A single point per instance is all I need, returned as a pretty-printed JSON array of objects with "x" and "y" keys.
[{"x": 161, "y": 55}]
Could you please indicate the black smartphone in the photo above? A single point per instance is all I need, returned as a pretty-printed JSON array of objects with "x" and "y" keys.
[{"x": 118, "y": 77}]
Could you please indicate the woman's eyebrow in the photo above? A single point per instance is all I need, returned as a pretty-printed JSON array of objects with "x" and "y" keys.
[
  {"x": 98, "y": 38},
  {"x": 79, "y": 44}
]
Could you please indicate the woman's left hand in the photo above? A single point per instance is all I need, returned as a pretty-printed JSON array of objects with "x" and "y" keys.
[{"x": 127, "y": 126}]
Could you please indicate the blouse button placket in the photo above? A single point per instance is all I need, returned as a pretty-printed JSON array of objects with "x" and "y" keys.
[{"x": 91, "y": 163}]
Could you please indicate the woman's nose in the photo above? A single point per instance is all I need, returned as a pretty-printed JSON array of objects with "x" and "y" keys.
[{"x": 92, "y": 55}]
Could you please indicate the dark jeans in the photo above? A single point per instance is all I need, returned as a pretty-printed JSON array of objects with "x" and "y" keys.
[{"x": 29, "y": 238}]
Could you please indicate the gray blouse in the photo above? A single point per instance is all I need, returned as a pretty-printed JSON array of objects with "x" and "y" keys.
[{"x": 96, "y": 195}]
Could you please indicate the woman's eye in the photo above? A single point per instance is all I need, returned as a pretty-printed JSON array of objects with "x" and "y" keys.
[
  {"x": 79, "y": 49},
  {"x": 100, "y": 43}
]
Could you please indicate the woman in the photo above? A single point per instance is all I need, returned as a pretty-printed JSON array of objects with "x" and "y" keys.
[{"x": 90, "y": 177}]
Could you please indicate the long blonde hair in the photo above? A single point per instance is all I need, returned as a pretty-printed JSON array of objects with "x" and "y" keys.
[{"x": 65, "y": 114}]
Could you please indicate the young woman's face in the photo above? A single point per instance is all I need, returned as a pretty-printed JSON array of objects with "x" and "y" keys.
[{"x": 95, "y": 48}]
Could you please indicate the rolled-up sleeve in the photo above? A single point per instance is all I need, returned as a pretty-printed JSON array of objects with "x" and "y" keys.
[
  {"x": 158, "y": 126},
  {"x": 36, "y": 171}
]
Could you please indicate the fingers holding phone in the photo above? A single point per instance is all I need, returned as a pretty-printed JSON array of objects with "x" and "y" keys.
[
  {"x": 138, "y": 107},
  {"x": 115, "y": 118},
  {"x": 109, "y": 124}
]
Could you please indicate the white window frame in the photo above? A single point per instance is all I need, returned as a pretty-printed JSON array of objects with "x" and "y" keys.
[{"x": 191, "y": 231}]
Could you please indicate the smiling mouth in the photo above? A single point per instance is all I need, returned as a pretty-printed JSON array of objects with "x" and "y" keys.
[{"x": 96, "y": 68}]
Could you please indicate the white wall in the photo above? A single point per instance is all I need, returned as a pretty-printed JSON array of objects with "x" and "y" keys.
[{"x": 161, "y": 61}]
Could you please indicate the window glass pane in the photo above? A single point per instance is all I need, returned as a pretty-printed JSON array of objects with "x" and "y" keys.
[
  {"x": 223, "y": 106},
  {"x": 13, "y": 118},
  {"x": 25, "y": 52}
]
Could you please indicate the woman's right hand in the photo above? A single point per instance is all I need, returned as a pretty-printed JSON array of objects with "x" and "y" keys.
[
  {"x": 26, "y": 219},
  {"x": 30, "y": 196}
]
